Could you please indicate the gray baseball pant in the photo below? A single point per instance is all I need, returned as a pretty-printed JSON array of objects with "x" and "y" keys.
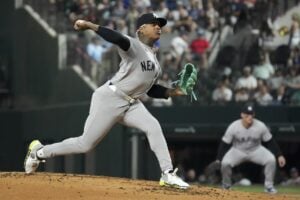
[
  {"x": 107, "y": 109},
  {"x": 261, "y": 156}
]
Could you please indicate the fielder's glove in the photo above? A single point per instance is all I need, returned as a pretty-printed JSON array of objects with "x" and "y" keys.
[{"x": 187, "y": 80}]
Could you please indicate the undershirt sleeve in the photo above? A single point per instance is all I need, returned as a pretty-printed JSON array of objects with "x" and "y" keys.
[
  {"x": 273, "y": 147},
  {"x": 158, "y": 91},
  {"x": 114, "y": 37},
  {"x": 222, "y": 150}
]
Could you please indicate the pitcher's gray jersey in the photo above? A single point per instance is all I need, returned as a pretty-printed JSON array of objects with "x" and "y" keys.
[
  {"x": 139, "y": 63},
  {"x": 246, "y": 139}
]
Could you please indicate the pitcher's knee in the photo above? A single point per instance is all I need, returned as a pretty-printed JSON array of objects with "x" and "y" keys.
[{"x": 85, "y": 146}]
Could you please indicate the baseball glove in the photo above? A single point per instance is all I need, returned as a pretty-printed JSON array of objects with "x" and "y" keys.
[{"x": 187, "y": 80}]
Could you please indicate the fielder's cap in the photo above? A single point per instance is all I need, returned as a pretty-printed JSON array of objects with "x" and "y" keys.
[
  {"x": 150, "y": 18},
  {"x": 248, "y": 109}
]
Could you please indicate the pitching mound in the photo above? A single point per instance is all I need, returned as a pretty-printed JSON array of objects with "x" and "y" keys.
[{"x": 17, "y": 185}]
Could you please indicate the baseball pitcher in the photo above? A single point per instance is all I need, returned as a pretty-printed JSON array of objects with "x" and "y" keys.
[{"x": 117, "y": 101}]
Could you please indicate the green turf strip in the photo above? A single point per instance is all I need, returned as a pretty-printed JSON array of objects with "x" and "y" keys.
[{"x": 260, "y": 188}]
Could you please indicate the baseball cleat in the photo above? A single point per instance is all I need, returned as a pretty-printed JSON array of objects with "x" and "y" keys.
[
  {"x": 270, "y": 190},
  {"x": 32, "y": 162},
  {"x": 226, "y": 186},
  {"x": 170, "y": 179}
]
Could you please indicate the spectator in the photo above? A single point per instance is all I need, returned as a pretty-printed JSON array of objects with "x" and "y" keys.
[
  {"x": 95, "y": 50},
  {"x": 276, "y": 81},
  {"x": 292, "y": 80},
  {"x": 280, "y": 98},
  {"x": 262, "y": 96},
  {"x": 180, "y": 12},
  {"x": 294, "y": 59},
  {"x": 162, "y": 10},
  {"x": 182, "y": 19},
  {"x": 196, "y": 11},
  {"x": 131, "y": 17},
  {"x": 142, "y": 5},
  {"x": 247, "y": 81},
  {"x": 119, "y": 10},
  {"x": 241, "y": 95},
  {"x": 267, "y": 35},
  {"x": 104, "y": 11},
  {"x": 295, "y": 31},
  {"x": 294, "y": 178},
  {"x": 212, "y": 16},
  {"x": 179, "y": 46},
  {"x": 222, "y": 93},
  {"x": 122, "y": 27},
  {"x": 200, "y": 47},
  {"x": 264, "y": 70}
]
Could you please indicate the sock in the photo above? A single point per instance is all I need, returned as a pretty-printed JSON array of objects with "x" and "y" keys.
[
  {"x": 168, "y": 171},
  {"x": 40, "y": 153}
]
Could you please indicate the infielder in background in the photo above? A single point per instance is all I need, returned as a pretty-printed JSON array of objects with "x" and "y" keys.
[
  {"x": 246, "y": 135},
  {"x": 117, "y": 101}
]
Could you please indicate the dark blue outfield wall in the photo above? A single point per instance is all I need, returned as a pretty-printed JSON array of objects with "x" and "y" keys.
[{"x": 52, "y": 124}]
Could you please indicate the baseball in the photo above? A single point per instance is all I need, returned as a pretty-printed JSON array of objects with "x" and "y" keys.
[
  {"x": 79, "y": 21},
  {"x": 79, "y": 24}
]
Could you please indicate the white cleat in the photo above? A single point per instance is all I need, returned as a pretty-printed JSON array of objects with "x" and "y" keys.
[
  {"x": 32, "y": 162},
  {"x": 270, "y": 190},
  {"x": 170, "y": 179}
]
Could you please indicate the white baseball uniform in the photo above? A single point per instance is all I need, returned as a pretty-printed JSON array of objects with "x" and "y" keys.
[
  {"x": 117, "y": 101},
  {"x": 246, "y": 146}
]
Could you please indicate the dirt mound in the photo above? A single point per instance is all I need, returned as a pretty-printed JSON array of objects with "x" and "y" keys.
[{"x": 17, "y": 185}]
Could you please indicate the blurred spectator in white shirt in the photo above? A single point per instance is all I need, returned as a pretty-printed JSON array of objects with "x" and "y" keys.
[
  {"x": 247, "y": 81},
  {"x": 241, "y": 95},
  {"x": 276, "y": 81},
  {"x": 142, "y": 4},
  {"x": 280, "y": 98},
  {"x": 294, "y": 178},
  {"x": 212, "y": 16},
  {"x": 162, "y": 10},
  {"x": 222, "y": 93},
  {"x": 179, "y": 46},
  {"x": 122, "y": 26},
  {"x": 295, "y": 31},
  {"x": 264, "y": 70},
  {"x": 292, "y": 80},
  {"x": 262, "y": 96}
]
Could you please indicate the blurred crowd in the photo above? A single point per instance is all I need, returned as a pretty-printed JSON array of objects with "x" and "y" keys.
[{"x": 251, "y": 68}]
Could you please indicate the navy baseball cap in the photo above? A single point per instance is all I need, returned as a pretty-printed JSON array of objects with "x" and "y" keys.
[
  {"x": 248, "y": 109},
  {"x": 150, "y": 18}
]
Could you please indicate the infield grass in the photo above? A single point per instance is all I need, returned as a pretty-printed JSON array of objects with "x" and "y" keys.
[{"x": 295, "y": 190}]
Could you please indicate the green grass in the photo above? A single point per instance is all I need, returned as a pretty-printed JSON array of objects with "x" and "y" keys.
[{"x": 295, "y": 190}]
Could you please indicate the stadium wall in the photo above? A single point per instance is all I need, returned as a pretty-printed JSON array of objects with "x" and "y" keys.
[
  {"x": 53, "y": 124},
  {"x": 190, "y": 125},
  {"x": 37, "y": 81}
]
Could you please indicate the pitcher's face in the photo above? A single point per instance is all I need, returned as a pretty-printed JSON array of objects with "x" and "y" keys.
[{"x": 152, "y": 31}]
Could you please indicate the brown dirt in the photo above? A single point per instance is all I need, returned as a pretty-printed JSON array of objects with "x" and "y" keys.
[{"x": 50, "y": 186}]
